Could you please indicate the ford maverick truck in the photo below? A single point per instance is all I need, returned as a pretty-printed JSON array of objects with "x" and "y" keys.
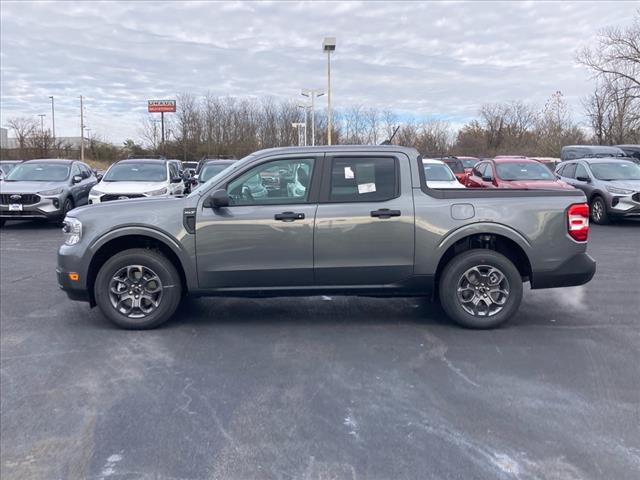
[{"x": 341, "y": 220}]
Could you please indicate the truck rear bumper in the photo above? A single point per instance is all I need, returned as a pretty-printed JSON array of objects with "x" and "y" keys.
[{"x": 577, "y": 270}]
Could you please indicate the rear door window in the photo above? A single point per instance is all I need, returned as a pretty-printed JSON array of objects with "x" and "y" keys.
[
  {"x": 569, "y": 171},
  {"x": 364, "y": 179}
]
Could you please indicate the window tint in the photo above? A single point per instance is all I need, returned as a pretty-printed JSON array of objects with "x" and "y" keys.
[
  {"x": 569, "y": 171},
  {"x": 276, "y": 182},
  {"x": 581, "y": 171},
  {"x": 363, "y": 179}
]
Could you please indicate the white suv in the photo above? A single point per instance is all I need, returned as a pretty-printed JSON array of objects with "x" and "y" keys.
[{"x": 137, "y": 178}]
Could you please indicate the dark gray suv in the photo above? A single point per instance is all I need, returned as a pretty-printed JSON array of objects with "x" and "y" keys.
[
  {"x": 612, "y": 186},
  {"x": 45, "y": 189}
]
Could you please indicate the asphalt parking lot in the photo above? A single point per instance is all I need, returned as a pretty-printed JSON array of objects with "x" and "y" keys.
[{"x": 320, "y": 388}]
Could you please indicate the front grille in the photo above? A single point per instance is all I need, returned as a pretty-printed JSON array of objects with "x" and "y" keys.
[
  {"x": 636, "y": 197},
  {"x": 22, "y": 198},
  {"x": 109, "y": 197}
]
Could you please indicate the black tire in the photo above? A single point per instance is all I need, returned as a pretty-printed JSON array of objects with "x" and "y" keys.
[
  {"x": 453, "y": 274},
  {"x": 598, "y": 210},
  {"x": 158, "y": 264},
  {"x": 67, "y": 206}
]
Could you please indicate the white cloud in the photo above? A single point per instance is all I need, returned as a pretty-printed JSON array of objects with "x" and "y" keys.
[{"x": 438, "y": 59}]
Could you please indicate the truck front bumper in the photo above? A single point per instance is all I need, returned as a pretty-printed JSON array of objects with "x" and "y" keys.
[{"x": 577, "y": 270}]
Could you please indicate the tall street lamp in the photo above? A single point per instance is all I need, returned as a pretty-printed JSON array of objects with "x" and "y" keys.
[
  {"x": 304, "y": 108},
  {"x": 53, "y": 119},
  {"x": 329, "y": 45},
  {"x": 312, "y": 94},
  {"x": 42, "y": 115},
  {"x": 299, "y": 126}
]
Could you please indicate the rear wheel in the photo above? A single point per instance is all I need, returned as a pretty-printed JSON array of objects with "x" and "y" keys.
[
  {"x": 138, "y": 289},
  {"x": 480, "y": 289},
  {"x": 598, "y": 210}
]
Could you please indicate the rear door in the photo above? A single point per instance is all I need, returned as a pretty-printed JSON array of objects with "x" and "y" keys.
[
  {"x": 264, "y": 238},
  {"x": 364, "y": 231}
]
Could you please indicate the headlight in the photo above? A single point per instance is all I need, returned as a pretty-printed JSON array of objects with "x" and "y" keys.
[
  {"x": 55, "y": 191},
  {"x": 162, "y": 191},
  {"x": 72, "y": 230},
  {"x": 94, "y": 191},
  {"x": 619, "y": 191}
]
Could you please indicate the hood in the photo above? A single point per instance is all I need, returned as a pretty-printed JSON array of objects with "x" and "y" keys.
[
  {"x": 140, "y": 206},
  {"x": 626, "y": 184},
  {"x": 444, "y": 184},
  {"x": 536, "y": 184},
  {"x": 29, "y": 187},
  {"x": 129, "y": 187}
]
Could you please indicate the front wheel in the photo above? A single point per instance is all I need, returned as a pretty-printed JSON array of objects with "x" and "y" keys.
[
  {"x": 599, "y": 213},
  {"x": 138, "y": 289},
  {"x": 480, "y": 289}
]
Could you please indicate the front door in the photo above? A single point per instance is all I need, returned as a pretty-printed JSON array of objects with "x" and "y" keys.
[
  {"x": 264, "y": 238},
  {"x": 364, "y": 234}
]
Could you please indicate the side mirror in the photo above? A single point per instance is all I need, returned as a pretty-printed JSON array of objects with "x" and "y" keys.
[
  {"x": 219, "y": 199},
  {"x": 99, "y": 176},
  {"x": 176, "y": 179},
  {"x": 487, "y": 179},
  {"x": 583, "y": 179},
  {"x": 76, "y": 179}
]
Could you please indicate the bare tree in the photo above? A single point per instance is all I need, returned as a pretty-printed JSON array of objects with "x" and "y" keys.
[
  {"x": 23, "y": 128},
  {"x": 616, "y": 54}
]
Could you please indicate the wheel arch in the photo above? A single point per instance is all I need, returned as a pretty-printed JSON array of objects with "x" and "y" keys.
[
  {"x": 494, "y": 237},
  {"x": 129, "y": 238}
]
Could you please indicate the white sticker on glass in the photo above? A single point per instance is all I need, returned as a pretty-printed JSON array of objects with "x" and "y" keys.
[
  {"x": 366, "y": 187},
  {"x": 348, "y": 173}
]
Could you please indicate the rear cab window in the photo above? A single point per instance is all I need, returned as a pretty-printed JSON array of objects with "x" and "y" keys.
[{"x": 363, "y": 179}]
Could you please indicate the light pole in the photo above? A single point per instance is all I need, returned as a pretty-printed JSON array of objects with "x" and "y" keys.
[
  {"x": 53, "y": 119},
  {"x": 304, "y": 111},
  {"x": 329, "y": 45},
  {"x": 81, "y": 130},
  {"x": 313, "y": 94},
  {"x": 42, "y": 115},
  {"x": 299, "y": 126}
]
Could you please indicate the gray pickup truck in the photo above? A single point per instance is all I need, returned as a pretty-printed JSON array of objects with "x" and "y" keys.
[{"x": 343, "y": 220}]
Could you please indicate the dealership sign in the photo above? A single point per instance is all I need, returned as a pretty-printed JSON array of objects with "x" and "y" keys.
[{"x": 157, "y": 106}]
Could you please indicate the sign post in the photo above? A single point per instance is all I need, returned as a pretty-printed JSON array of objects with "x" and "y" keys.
[{"x": 162, "y": 106}]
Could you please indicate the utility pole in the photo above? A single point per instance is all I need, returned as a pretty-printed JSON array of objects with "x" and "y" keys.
[
  {"x": 329, "y": 45},
  {"x": 53, "y": 119},
  {"x": 162, "y": 128},
  {"x": 313, "y": 94},
  {"x": 81, "y": 131}
]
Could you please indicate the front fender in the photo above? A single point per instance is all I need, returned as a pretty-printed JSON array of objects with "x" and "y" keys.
[{"x": 172, "y": 243}]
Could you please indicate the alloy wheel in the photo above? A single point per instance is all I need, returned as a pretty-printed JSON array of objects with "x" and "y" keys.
[
  {"x": 483, "y": 290},
  {"x": 135, "y": 291}
]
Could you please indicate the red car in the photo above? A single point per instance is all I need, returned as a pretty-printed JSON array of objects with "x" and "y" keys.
[{"x": 513, "y": 172}]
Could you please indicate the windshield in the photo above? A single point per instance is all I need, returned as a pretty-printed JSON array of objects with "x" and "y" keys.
[
  {"x": 137, "y": 172},
  {"x": 455, "y": 165},
  {"x": 39, "y": 172},
  {"x": 438, "y": 173},
  {"x": 211, "y": 170},
  {"x": 616, "y": 171},
  {"x": 523, "y": 171},
  {"x": 469, "y": 162}
]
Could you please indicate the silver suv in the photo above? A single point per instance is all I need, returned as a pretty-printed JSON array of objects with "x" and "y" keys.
[{"x": 612, "y": 186}]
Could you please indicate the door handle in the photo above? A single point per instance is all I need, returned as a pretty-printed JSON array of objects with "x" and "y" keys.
[
  {"x": 289, "y": 216},
  {"x": 385, "y": 213}
]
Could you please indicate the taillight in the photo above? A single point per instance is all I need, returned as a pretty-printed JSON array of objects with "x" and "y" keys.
[{"x": 578, "y": 221}]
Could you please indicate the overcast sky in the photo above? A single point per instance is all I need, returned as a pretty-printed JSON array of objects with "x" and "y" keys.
[{"x": 429, "y": 59}]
